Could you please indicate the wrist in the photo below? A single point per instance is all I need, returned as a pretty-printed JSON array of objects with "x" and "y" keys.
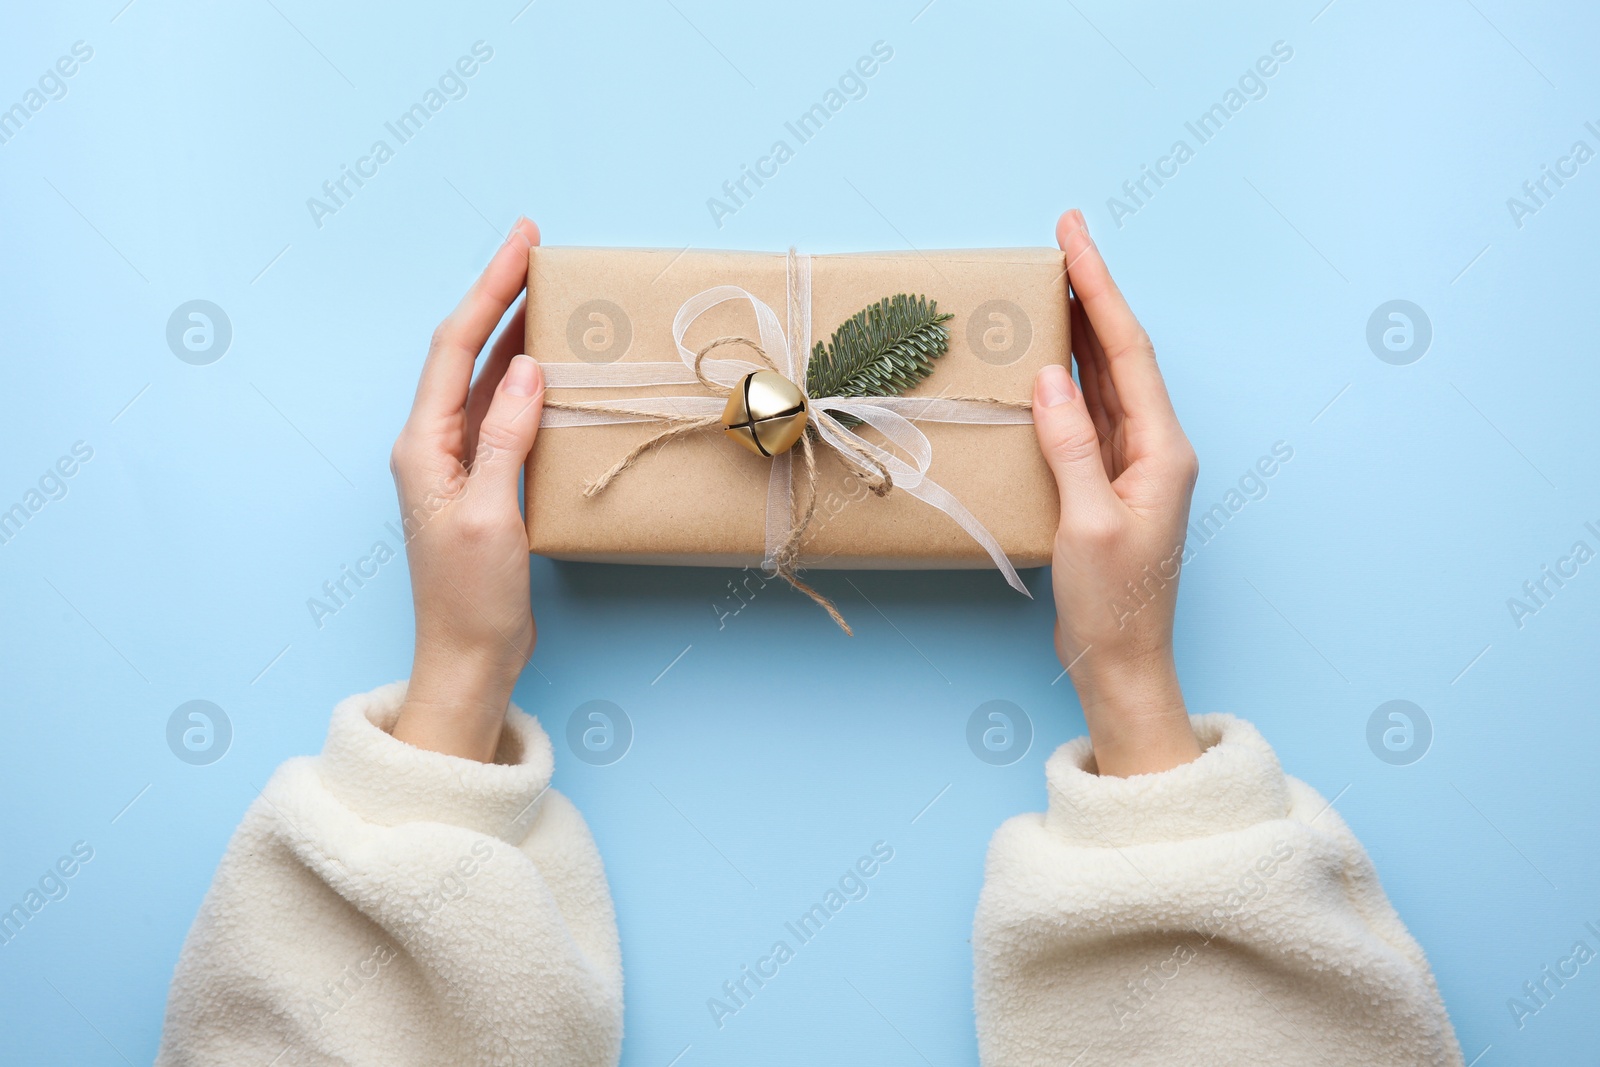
[
  {"x": 455, "y": 704},
  {"x": 1134, "y": 708},
  {"x": 475, "y": 674}
]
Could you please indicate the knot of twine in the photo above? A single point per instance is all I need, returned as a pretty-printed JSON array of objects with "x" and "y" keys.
[{"x": 786, "y": 559}]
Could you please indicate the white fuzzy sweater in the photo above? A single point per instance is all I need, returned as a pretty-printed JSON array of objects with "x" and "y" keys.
[
  {"x": 384, "y": 905},
  {"x": 1217, "y": 913}
]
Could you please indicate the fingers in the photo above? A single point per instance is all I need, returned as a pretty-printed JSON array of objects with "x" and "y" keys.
[
  {"x": 1130, "y": 359},
  {"x": 1069, "y": 442},
  {"x": 508, "y": 344},
  {"x": 509, "y": 427},
  {"x": 1103, "y": 427},
  {"x": 1086, "y": 346},
  {"x": 1089, "y": 374},
  {"x": 447, "y": 374}
]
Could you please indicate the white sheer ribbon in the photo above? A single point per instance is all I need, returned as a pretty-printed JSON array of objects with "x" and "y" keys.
[{"x": 894, "y": 417}]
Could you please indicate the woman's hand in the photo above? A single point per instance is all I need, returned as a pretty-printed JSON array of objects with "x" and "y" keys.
[
  {"x": 457, "y": 464},
  {"x": 1125, "y": 472}
]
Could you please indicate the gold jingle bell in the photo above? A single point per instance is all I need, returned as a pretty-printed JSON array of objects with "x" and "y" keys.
[{"x": 766, "y": 413}]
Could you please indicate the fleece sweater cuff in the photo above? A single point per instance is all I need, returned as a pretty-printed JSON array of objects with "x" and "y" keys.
[
  {"x": 1234, "y": 784},
  {"x": 388, "y": 782}
]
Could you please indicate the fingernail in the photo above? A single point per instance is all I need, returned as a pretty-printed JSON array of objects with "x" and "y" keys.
[
  {"x": 517, "y": 237},
  {"x": 522, "y": 376},
  {"x": 1056, "y": 385},
  {"x": 1077, "y": 217}
]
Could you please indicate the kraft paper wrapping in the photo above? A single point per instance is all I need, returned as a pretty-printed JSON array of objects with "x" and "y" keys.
[{"x": 700, "y": 499}]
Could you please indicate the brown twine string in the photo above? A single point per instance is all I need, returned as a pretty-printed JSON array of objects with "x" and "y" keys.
[
  {"x": 786, "y": 560},
  {"x": 682, "y": 423}
]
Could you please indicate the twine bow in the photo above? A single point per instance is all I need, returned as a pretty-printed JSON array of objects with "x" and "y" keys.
[{"x": 882, "y": 469}]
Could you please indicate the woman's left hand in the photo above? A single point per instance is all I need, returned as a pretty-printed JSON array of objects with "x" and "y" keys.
[{"x": 457, "y": 465}]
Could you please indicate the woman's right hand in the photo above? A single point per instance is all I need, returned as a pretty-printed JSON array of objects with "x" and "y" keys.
[{"x": 1125, "y": 472}]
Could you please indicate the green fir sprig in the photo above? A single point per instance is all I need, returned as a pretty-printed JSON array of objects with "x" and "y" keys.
[{"x": 881, "y": 350}]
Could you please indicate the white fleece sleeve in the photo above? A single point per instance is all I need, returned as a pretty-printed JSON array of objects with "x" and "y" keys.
[
  {"x": 1219, "y": 912},
  {"x": 381, "y": 904}
]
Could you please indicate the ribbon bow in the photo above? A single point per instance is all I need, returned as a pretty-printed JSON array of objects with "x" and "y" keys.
[{"x": 894, "y": 417}]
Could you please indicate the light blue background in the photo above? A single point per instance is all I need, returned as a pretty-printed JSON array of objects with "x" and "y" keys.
[{"x": 1418, "y": 500}]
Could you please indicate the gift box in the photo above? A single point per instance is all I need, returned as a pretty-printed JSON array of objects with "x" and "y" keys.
[{"x": 620, "y": 329}]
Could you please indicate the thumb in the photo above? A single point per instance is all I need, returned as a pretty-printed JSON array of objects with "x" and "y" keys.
[
  {"x": 1067, "y": 437},
  {"x": 509, "y": 425}
]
